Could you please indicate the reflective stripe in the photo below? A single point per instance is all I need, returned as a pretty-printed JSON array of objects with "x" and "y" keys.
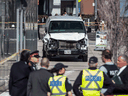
[
  {"x": 86, "y": 88},
  {"x": 60, "y": 92}
]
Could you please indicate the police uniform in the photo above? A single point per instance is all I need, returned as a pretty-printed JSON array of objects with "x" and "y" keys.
[
  {"x": 33, "y": 67},
  {"x": 59, "y": 85},
  {"x": 109, "y": 68},
  {"x": 91, "y": 81},
  {"x": 36, "y": 55}
]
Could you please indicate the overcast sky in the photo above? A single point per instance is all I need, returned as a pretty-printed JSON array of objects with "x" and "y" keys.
[{"x": 123, "y": 6}]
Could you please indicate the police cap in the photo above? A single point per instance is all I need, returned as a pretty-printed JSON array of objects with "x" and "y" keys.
[
  {"x": 60, "y": 66},
  {"x": 93, "y": 60},
  {"x": 35, "y": 54}
]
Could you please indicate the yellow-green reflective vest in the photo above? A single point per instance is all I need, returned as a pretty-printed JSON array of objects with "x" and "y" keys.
[
  {"x": 120, "y": 95},
  {"x": 92, "y": 82},
  {"x": 57, "y": 85}
]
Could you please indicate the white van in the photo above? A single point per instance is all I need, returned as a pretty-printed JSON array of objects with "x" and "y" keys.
[{"x": 65, "y": 36}]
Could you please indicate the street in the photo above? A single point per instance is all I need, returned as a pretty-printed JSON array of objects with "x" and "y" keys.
[
  {"x": 75, "y": 65},
  {"x": 64, "y": 28}
]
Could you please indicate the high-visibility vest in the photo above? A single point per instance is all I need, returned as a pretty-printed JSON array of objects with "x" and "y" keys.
[
  {"x": 57, "y": 85},
  {"x": 119, "y": 95},
  {"x": 92, "y": 82}
]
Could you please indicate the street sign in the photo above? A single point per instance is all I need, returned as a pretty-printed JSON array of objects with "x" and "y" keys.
[
  {"x": 79, "y": 10},
  {"x": 79, "y": 3},
  {"x": 101, "y": 40}
]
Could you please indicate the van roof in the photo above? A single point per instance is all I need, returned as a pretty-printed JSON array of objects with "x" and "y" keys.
[{"x": 64, "y": 18}]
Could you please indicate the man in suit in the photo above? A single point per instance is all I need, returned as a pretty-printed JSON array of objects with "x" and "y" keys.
[
  {"x": 122, "y": 63},
  {"x": 19, "y": 74},
  {"x": 38, "y": 80}
]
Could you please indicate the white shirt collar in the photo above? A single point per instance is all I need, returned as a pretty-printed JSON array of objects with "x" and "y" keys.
[{"x": 121, "y": 69}]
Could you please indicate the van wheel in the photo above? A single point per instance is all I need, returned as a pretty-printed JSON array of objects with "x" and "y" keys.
[{"x": 85, "y": 58}]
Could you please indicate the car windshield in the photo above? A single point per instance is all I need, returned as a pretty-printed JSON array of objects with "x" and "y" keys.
[{"x": 66, "y": 26}]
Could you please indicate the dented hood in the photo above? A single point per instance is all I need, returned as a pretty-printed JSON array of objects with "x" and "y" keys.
[{"x": 67, "y": 36}]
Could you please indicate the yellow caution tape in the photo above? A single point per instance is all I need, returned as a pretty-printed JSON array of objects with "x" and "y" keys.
[
  {"x": 41, "y": 23},
  {"x": 10, "y": 57}
]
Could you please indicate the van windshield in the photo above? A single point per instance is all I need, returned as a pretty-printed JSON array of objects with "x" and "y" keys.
[{"x": 66, "y": 26}]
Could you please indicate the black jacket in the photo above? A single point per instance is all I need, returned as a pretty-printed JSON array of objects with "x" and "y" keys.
[
  {"x": 33, "y": 66},
  {"x": 38, "y": 83},
  {"x": 107, "y": 82},
  {"x": 122, "y": 88},
  {"x": 19, "y": 78}
]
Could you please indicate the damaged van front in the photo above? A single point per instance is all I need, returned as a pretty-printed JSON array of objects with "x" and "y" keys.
[{"x": 65, "y": 36}]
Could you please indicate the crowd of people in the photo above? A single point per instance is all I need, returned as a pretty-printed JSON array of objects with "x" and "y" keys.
[{"x": 27, "y": 80}]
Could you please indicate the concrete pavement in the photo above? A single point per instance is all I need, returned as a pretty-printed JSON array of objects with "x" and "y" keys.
[{"x": 75, "y": 65}]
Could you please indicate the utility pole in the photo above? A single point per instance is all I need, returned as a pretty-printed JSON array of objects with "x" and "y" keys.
[
  {"x": 17, "y": 32},
  {"x": 21, "y": 29},
  {"x": 95, "y": 9},
  {"x": 77, "y": 8}
]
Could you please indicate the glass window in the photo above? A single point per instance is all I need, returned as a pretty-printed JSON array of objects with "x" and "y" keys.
[{"x": 66, "y": 26}]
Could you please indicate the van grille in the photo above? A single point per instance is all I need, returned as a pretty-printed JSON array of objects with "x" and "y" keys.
[{"x": 67, "y": 45}]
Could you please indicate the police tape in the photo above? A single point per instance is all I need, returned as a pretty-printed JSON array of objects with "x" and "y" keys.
[
  {"x": 12, "y": 56},
  {"x": 44, "y": 23},
  {"x": 91, "y": 24},
  {"x": 41, "y": 23}
]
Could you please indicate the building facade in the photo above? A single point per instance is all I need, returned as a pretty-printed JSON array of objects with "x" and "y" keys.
[
  {"x": 8, "y": 25},
  {"x": 52, "y": 7}
]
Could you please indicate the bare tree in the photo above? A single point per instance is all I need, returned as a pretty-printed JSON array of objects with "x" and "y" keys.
[{"x": 109, "y": 11}]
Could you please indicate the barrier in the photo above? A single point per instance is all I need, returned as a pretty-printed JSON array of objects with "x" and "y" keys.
[{"x": 86, "y": 23}]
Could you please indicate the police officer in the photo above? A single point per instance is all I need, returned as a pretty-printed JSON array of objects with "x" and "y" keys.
[
  {"x": 59, "y": 85},
  {"x": 34, "y": 59},
  {"x": 109, "y": 68},
  {"x": 91, "y": 81}
]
